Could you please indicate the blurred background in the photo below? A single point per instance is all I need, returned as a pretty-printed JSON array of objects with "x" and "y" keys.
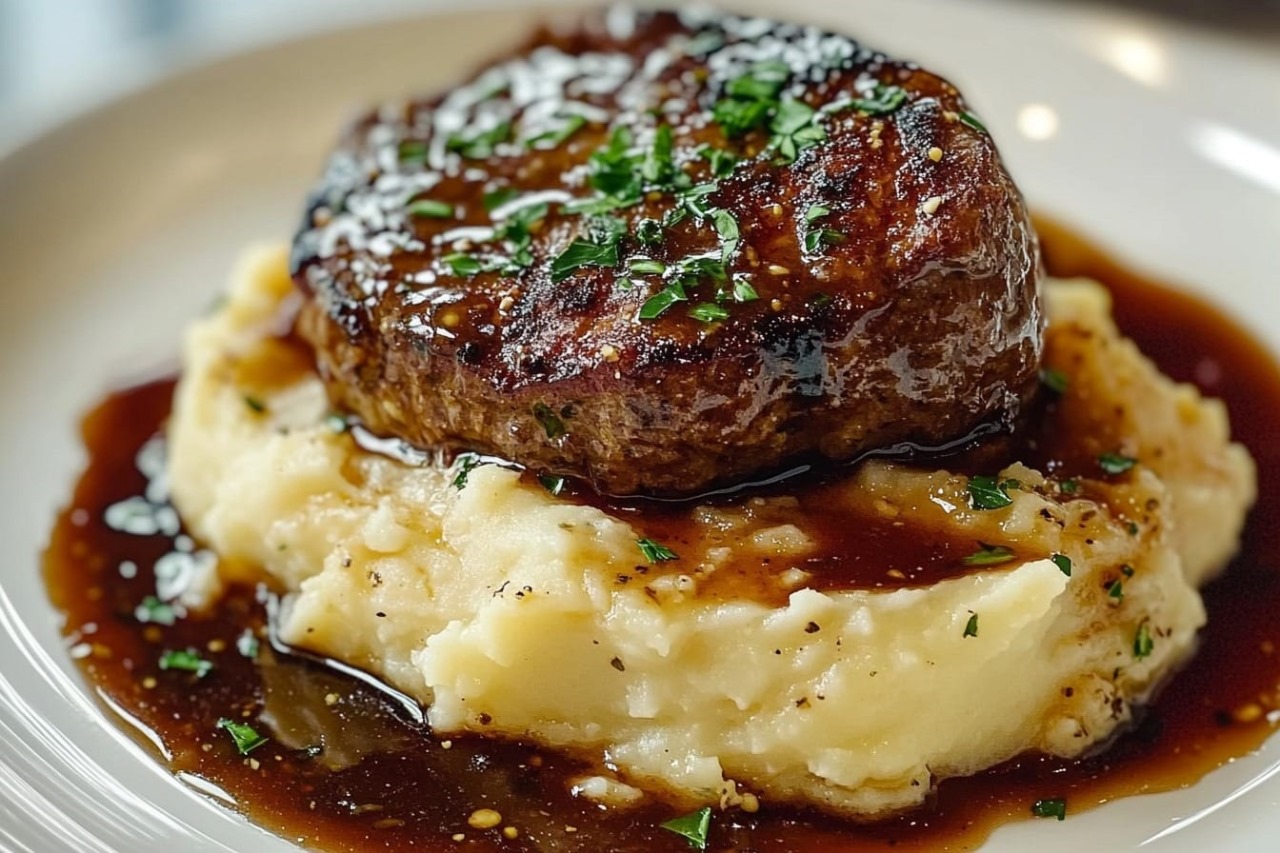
[{"x": 60, "y": 56}]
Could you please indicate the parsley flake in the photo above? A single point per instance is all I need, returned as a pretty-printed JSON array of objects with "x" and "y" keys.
[
  {"x": 694, "y": 827},
  {"x": 655, "y": 552},
  {"x": 411, "y": 151},
  {"x": 989, "y": 555},
  {"x": 743, "y": 291},
  {"x": 255, "y": 404},
  {"x": 881, "y": 100},
  {"x": 655, "y": 306},
  {"x": 1116, "y": 463},
  {"x": 795, "y": 128},
  {"x": 970, "y": 120},
  {"x": 1143, "y": 645},
  {"x": 645, "y": 266},
  {"x": 989, "y": 493},
  {"x": 186, "y": 661},
  {"x": 245, "y": 737},
  {"x": 649, "y": 231},
  {"x": 708, "y": 312},
  {"x": 971, "y": 627},
  {"x": 1056, "y": 807},
  {"x": 1063, "y": 562},
  {"x": 496, "y": 198},
  {"x": 549, "y": 420},
  {"x": 727, "y": 228},
  {"x": 1116, "y": 590},
  {"x": 553, "y": 137},
  {"x": 461, "y": 264},
  {"x": 1054, "y": 380},
  {"x": 467, "y": 462},
  {"x": 599, "y": 249},
  {"x": 554, "y": 485},
  {"x": 156, "y": 612},
  {"x": 721, "y": 162},
  {"x": 481, "y": 144},
  {"x": 816, "y": 212},
  {"x": 430, "y": 209}
]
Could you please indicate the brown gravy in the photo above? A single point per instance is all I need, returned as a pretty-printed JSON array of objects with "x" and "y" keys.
[{"x": 350, "y": 770}]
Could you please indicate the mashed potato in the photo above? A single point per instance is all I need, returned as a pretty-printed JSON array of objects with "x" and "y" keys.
[{"x": 510, "y": 612}]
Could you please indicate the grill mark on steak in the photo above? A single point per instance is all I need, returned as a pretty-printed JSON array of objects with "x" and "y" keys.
[{"x": 915, "y": 327}]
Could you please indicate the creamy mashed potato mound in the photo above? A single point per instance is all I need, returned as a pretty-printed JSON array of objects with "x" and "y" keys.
[{"x": 509, "y": 612}]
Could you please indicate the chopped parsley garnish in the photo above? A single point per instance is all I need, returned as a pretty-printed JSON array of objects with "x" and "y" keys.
[
  {"x": 655, "y": 306},
  {"x": 737, "y": 117},
  {"x": 1054, "y": 380},
  {"x": 1063, "y": 562},
  {"x": 554, "y": 485},
  {"x": 816, "y": 212},
  {"x": 882, "y": 100},
  {"x": 554, "y": 136},
  {"x": 694, "y": 827},
  {"x": 549, "y": 420},
  {"x": 154, "y": 611},
  {"x": 1143, "y": 645},
  {"x": 727, "y": 227},
  {"x": 186, "y": 661},
  {"x": 721, "y": 162},
  {"x": 461, "y": 264},
  {"x": 708, "y": 312},
  {"x": 743, "y": 291},
  {"x": 244, "y": 735},
  {"x": 599, "y": 249},
  {"x": 1116, "y": 463},
  {"x": 411, "y": 151},
  {"x": 753, "y": 100},
  {"x": 820, "y": 238},
  {"x": 430, "y": 209},
  {"x": 649, "y": 231},
  {"x": 694, "y": 200},
  {"x": 481, "y": 144},
  {"x": 762, "y": 82},
  {"x": 467, "y": 462},
  {"x": 971, "y": 120},
  {"x": 655, "y": 552},
  {"x": 496, "y": 198},
  {"x": 750, "y": 98},
  {"x": 989, "y": 492},
  {"x": 795, "y": 127},
  {"x": 255, "y": 404},
  {"x": 247, "y": 645},
  {"x": 613, "y": 167},
  {"x": 646, "y": 266},
  {"x": 971, "y": 627},
  {"x": 1116, "y": 589},
  {"x": 1056, "y": 807},
  {"x": 516, "y": 232},
  {"x": 659, "y": 165},
  {"x": 1069, "y": 487},
  {"x": 989, "y": 555},
  {"x": 816, "y": 239}
]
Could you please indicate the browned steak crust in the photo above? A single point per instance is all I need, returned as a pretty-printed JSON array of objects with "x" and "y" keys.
[{"x": 665, "y": 252}]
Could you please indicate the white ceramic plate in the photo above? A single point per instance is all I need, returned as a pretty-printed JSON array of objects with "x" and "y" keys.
[{"x": 116, "y": 227}]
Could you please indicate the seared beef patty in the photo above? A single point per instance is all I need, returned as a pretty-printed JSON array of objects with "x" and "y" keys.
[{"x": 665, "y": 252}]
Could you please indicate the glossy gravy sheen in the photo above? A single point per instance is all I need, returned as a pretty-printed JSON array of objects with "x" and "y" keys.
[{"x": 349, "y": 769}]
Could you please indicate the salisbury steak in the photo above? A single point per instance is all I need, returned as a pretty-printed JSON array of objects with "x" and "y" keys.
[{"x": 664, "y": 252}]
